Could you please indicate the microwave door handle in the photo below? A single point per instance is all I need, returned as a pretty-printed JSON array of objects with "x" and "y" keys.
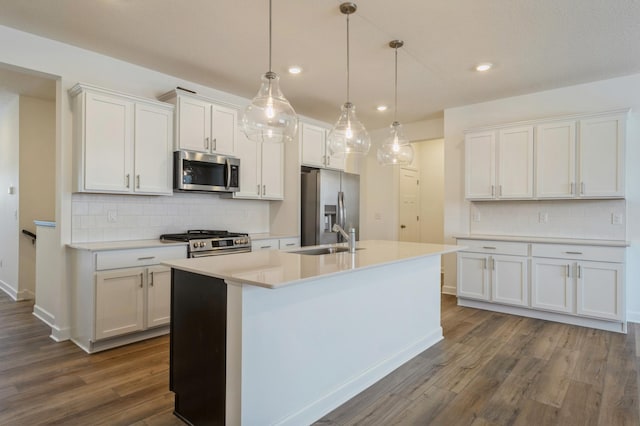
[{"x": 228, "y": 180}]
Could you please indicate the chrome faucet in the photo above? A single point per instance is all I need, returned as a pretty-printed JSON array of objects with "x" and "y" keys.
[{"x": 350, "y": 237}]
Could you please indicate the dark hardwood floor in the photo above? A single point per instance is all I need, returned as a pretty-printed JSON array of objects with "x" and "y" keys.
[{"x": 491, "y": 369}]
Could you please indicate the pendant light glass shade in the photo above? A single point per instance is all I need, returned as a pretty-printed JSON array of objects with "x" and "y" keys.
[
  {"x": 348, "y": 135},
  {"x": 269, "y": 117},
  {"x": 396, "y": 150}
]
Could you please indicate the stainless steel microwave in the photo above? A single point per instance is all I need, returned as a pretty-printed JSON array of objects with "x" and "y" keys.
[{"x": 195, "y": 171}]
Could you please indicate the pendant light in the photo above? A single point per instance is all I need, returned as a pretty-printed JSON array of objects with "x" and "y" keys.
[
  {"x": 396, "y": 149},
  {"x": 269, "y": 117},
  {"x": 348, "y": 135}
]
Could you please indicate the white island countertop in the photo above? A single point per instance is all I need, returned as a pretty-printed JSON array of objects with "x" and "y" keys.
[{"x": 274, "y": 268}]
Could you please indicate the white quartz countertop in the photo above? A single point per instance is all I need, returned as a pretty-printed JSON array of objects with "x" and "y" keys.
[
  {"x": 274, "y": 268},
  {"x": 546, "y": 240},
  {"x": 121, "y": 245},
  {"x": 268, "y": 236}
]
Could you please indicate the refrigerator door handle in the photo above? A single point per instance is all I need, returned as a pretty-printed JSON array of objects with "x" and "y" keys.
[{"x": 343, "y": 210}]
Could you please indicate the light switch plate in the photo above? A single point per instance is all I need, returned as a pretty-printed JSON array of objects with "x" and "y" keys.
[
  {"x": 543, "y": 217},
  {"x": 616, "y": 218},
  {"x": 112, "y": 216},
  {"x": 475, "y": 216}
]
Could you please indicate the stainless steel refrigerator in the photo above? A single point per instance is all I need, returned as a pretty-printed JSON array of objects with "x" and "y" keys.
[{"x": 328, "y": 197}]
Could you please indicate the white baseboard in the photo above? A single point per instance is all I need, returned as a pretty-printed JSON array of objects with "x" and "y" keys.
[
  {"x": 633, "y": 316},
  {"x": 355, "y": 385},
  {"x": 60, "y": 334},
  {"x": 449, "y": 290},
  {"x": 44, "y": 316},
  {"x": 11, "y": 292},
  {"x": 25, "y": 295}
]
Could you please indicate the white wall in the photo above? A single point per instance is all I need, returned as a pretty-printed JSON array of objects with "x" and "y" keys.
[
  {"x": 37, "y": 180},
  {"x": 591, "y": 97},
  {"x": 9, "y": 205},
  {"x": 430, "y": 157},
  {"x": 379, "y": 197}
]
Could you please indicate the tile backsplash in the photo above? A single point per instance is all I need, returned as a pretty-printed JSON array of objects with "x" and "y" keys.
[
  {"x": 591, "y": 219},
  {"x": 97, "y": 218}
]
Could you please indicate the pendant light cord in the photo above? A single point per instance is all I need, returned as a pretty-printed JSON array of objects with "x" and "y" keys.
[
  {"x": 395, "y": 110},
  {"x": 347, "y": 58},
  {"x": 270, "y": 36}
]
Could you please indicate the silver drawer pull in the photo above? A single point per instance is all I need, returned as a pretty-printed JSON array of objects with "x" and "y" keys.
[
  {"x": 265, "y": 247},
  {"x": 146, "y": 258},
  {"x": 488, "y": 247},
  {"x": 290, "y": 244},
  {"x": 573, "y": 252}
]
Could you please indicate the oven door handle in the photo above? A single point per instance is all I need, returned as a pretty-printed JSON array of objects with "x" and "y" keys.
[{"x": 227, "y": 182}]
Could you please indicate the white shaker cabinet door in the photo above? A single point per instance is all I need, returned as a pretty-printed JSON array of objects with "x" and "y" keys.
[
  {"x": 273, "y": 171},
  {"x": 599, "y": 290},
  {"x": 152, "y": 150},
  {"x": 312, "y": 145},
  {"x": 249, "y": 153},
  {"x": 480, "y": 167},
  {"x": 473, "y": 276},
  {"x": 108, "y": 138},
  {"x": 119, "y": 300},
  {"x": 515, "y": 163},
  {"x": 509, "y": 280},
  {"x": 552, "y": 284},
  {"x": 194, "y": 124},
  {"x": 224, "y": 130},
  {"x": 158, "y": 295},
  {"x": 601, "y": 153},
  {"x": 556, "y": 160}
]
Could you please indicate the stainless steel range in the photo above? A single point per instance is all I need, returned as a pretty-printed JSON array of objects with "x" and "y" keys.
[{"x": 211, "y": 243}]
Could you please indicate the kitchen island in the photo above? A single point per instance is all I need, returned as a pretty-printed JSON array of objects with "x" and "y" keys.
[{"x": 276, "y": 337}]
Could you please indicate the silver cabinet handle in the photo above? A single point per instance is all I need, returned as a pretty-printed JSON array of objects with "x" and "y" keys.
[
  {"x": 151, "y": 278},
  {"x": 500, "y": 190},
  {"x": 484, "y": 263},
  {"x": 488, "y": 247},
  {"x": 573, "y": 252},
  {"x": 265, "y": 247},
  {"x": 258, "y": 189},
  {"x": 126, "y": 180},
  {"x": 328, "y": 160},
  {"x": 581, "y": 187},
  {"x": 141, "y": 279},
  {"x": 146, "y": 258},
  {"x": 264, "y": 190},
  {"x": 493, "y": 263},
  {"x": 290, "y": 244},
  {"x": 138, "y": 181},
  {"x": 493, "y": 190},
  {"x": 579, "y": 271},
  {"x": 206, "y": 142},
  {"x": 568, "y": 271},
  {"x": 215, "y": 144},
  {"x": 572, "y": 188}
]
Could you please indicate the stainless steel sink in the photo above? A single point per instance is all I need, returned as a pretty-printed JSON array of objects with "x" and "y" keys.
[{"x": 323, "y": 250}]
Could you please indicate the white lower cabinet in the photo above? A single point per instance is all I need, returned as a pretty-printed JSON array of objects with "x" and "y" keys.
[
  {"x": 275, "y": 243},
  {"x": 121, "y": 296},
  {"x": 496, "y": 278},
  {"x": 578, "y": 284}
]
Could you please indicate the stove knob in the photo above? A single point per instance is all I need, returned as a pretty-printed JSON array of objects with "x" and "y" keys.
[
  {"x": 202, "y": 244},
  {"x": 195, "y": 245}
]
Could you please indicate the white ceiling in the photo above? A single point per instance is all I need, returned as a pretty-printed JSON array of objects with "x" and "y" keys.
[{"x": 534, "y": 44}]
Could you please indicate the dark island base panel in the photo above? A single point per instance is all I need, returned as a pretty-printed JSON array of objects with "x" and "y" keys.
[{"x": 198, "y": 347}]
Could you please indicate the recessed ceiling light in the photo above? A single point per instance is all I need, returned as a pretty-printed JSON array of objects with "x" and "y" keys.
[
  {"x": 381, "y": 108},
  {"x": 295, "y": 69},
  {"x": 484, "y": 66}
]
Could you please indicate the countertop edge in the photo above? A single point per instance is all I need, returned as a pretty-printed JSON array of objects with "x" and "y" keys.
[
  {"x": 546, "y": 240},
  {"x": 124, "y": 245}
]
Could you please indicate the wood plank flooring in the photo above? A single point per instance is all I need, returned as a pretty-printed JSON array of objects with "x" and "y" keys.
[{"x": 491, "y": 369}]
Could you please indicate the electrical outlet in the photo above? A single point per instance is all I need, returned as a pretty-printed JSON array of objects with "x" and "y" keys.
[
  {"x": 616, "y": 218},
  {"x": 112, "y": 216},
  {"x": 475, "y": 216},
  {"x": 543, "y": 217}
]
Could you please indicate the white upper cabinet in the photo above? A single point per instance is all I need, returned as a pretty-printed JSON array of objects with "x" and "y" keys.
[
  {"x": 122, "y": 144},
  {"x": 499, "y": 164},
  {"x": 556, "y": 160},
  {"x": 261, "y": 170},
  {"x": 578, "y": 157},
  {"x": 480, "y": 165},
  {"x": 315, "y": 152},
  {"x": 515, "y": 162},
  {"x": 601, "y": 156},
  {"x": 202, "y": 125}
]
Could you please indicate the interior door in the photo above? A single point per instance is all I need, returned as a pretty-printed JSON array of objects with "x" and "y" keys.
[{"x": 409, "y": 205}]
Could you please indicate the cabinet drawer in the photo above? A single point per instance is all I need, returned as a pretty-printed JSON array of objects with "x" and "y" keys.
[
  {"x": 268, "y": 244},
  {"x": 289, "y": 243},
  {"x": 138, "y": 257},
  {"x": 495, "y": 247},
  {"x": 579, "y": 252}
]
